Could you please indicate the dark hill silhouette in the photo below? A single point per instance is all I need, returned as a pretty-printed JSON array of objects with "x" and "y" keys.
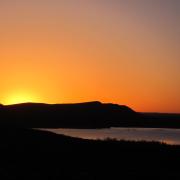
[{"x": 81, "y": 115}]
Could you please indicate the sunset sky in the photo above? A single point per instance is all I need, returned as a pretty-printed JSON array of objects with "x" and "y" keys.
[{"x": 66, "y": 51}]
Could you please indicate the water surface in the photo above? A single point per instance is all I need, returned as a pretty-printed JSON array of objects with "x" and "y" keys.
[{"x": 169, "y": 136}]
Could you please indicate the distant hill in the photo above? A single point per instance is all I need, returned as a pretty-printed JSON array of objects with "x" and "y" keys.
[
  {"x": 81, "y": 115},
  {"x": 158, "y": 120}
]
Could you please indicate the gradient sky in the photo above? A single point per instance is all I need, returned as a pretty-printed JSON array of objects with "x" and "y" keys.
[{"x": 65, "y": 51}]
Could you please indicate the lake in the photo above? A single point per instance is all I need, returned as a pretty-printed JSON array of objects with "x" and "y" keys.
[{"x": 169, "y": 136}]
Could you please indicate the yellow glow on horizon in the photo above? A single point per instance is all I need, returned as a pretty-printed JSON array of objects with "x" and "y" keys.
[{"x": 23, "y": 97}]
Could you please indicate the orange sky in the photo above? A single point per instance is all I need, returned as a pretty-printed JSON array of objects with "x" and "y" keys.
[{"x": 125, "y": 52}]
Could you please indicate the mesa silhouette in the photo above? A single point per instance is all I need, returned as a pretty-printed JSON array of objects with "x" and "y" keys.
[{"x": 80, "y": 115}]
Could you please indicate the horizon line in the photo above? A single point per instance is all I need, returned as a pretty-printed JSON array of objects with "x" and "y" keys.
[{"x": 86, "y": 102}]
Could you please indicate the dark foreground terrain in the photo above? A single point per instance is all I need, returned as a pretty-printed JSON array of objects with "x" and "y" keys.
[{"x": 31, "y": 154}]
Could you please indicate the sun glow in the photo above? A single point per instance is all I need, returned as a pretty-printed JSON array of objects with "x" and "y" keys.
[{"x": 17, "y": 98}]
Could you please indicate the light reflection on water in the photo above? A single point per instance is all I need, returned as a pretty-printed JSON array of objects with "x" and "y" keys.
[{"x": 169, "y": 136}]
